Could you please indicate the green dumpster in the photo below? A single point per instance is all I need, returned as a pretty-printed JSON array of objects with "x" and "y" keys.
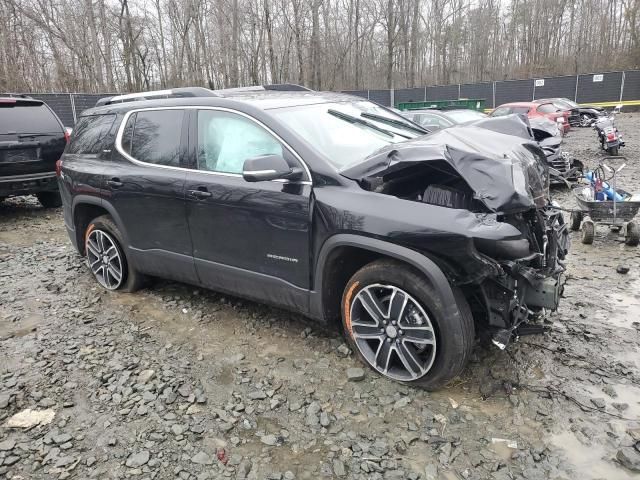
[{"x": 470, "y": 103}]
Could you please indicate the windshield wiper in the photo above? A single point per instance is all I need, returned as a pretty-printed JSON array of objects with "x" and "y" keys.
[
  {"x": 395, "y": 123},
  {"x": 351, "y": 119}
]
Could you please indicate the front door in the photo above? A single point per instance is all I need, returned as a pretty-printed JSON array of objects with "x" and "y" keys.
[{"x": 249, "y": 238}]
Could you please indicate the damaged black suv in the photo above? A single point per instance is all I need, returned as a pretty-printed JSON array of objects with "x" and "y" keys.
[{"x": 324, "y": 204}]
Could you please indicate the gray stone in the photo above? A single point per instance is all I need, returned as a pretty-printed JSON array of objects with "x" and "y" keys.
[
  {"x": 10, "y": 460},
  {"x": 91, "y": 461},
  {"x": 138, "y": 459},
  {"x": 62, "y": 438},
  {"x": 599, "y": 402},
  {"x": 202, "y": 458},
  {"x": 338, "y": 468},
  {"x": 324, "y": 419},
  {"x": 145, "y": 376},
  {"x": 7, "y": 445},
  {"x": 431, "y": 472},
  {"x": 64, "y": 461},
  {"x": 269, "y": 440},
  {"x": 629, "y": 458},
  {"x": 257, "y": 395},
  {"x": 355, "y": 374},
  {"x": 5, "y": 398},
  {"x": 243, "y": 469}
]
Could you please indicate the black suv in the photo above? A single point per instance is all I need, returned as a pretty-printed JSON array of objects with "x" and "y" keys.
[
  {"x": 32, "y": 140},
  {"x": 324, "y": 204}
]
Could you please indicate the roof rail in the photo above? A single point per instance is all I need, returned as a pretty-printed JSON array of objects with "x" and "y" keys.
[
  {"x": 170, "y": 93},
  {"x": 281, "y": 87}
]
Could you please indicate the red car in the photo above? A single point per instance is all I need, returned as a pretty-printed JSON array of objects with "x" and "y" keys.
[{"x": 533, "y": 110}]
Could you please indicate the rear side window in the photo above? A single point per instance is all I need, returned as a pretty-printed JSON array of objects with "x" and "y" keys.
[
  {"x": 31, "y": 117},
  {"x": 154, "y": 136},
  {"x": 523, "y": 110},
  {"x": 92, "y": 134},
  {"x": 547, "y": 108}
]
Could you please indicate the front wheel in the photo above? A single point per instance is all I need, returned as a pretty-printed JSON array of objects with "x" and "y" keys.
[
  {"x": 106, "y": 258},
  {"x": 397, "y": 323}
]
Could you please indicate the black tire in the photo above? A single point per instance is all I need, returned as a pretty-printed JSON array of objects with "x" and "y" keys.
[
  {"x": 613, "y": 151},
  {"x": 131, "y": 279},
  {"x": 585, "y": 119},
  {"x": 632, "y": 235},
  {"x": 576, "y": 220},
  {"x": 454, "y": 337},
  {"x": 588, "y": 232},
  {"x": 49, "y": 199}
]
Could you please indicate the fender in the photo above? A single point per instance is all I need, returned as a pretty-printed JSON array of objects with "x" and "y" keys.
[
  {"x": 425, "y": 265},
  {"x": 99, "y": 202}
]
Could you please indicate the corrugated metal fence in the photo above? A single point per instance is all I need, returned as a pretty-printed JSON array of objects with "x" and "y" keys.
[{"x": 608, "y": 87}]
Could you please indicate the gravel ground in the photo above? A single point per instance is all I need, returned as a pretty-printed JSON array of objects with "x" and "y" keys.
[{"x": 178, "y": 382}]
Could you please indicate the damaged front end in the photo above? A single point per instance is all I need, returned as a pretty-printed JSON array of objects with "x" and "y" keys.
[{"x": 504, "y": 242}]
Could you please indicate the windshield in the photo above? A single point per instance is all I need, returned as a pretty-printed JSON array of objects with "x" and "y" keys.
[
  {"x": 342, "y": 133},
  {"x": 462, "y": 116}
]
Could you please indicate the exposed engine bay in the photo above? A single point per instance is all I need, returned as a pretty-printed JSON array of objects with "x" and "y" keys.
[{"x": 503, "y": 181}]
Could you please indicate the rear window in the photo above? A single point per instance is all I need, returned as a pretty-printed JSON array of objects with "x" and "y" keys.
[
  {"x": 91, "y": 134},
  {"x": 28, "y": 118}
]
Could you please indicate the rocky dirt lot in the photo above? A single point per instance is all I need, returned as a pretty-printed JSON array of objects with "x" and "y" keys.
[{"x": 178, "y": 382}]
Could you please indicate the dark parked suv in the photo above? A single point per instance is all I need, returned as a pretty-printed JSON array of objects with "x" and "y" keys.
[
  {"x": 32, "y": 140},
  {"x": 324, "y": 204}
]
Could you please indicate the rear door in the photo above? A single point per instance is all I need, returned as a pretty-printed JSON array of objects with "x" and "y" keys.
[
  {"x": 144, "y": 182},
  {"x": 31, "y": 138}
]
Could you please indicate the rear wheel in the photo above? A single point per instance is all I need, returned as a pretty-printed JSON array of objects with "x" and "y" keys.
[
  {"x": 106, "y": 258},
  {"x": 585, "y": 120},
  {"x": 588, "y": 232},
  {"x": 632, "y": 234},
  {"x": 395, "y": 321},
  {"x": 49, "y": 199}
]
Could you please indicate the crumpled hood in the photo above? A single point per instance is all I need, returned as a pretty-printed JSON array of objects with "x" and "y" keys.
[{"x": 506, "y": 172}]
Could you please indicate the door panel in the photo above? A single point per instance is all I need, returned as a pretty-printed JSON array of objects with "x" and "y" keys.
[
  {"x": 249, "y": 238},
  {"x": 149, "y": 197}
]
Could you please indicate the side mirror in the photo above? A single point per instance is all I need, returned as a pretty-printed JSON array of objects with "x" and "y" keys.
[{"x": 269, "y": 167}]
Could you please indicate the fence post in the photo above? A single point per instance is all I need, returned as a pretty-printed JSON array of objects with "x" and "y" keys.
[
  {"x": 534, "y": 90},
  {"x": 622, "y": 86},
  {"x": 494, "y": 94},
  {"x": 392, "y": 97},
  {"x": 425, "y": 93},
  {"x": 368, "y": 95},
  {"x": 73, "y": 107},
  {"x": 458, "y": 91},
  {"x": 575, "y": 94}
]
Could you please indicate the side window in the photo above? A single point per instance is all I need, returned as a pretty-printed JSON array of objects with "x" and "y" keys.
[
  {"x": 547, "y": 108},
  {"x": 226, "y": 140},
  {"x": 91, "y": 134},
  {"x": 500, "y": 111},
  {"x": 154, "y": 136}
]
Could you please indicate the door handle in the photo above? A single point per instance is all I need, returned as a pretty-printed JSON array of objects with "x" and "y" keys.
[
  {"x": 199, "y": 193},
  {"x": 115, "y": 183}
]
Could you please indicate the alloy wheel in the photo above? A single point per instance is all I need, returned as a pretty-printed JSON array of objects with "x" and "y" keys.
[
  {"x": 393, "y": 332},
  {"x": 104, "y": 259}
]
